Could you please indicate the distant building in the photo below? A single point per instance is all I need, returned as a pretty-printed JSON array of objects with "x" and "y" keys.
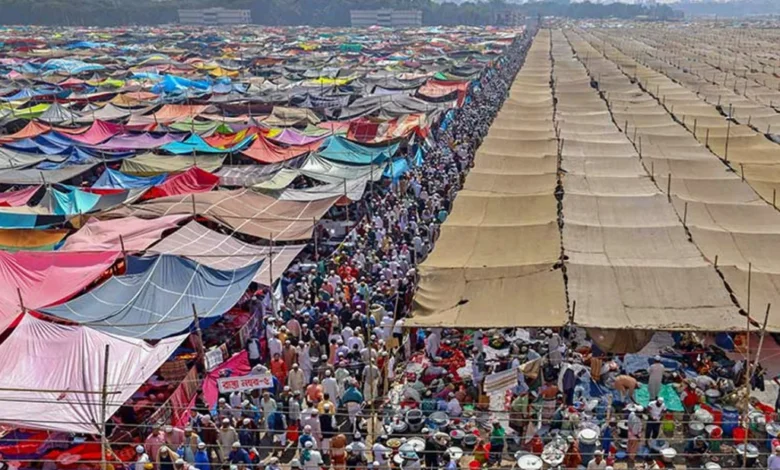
[
  {"x": 215, "y": 16},
  {"x": 387, "y": 18}
]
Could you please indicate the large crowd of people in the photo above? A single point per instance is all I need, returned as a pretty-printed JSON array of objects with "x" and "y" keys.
[{"x": 338, "y": 332}]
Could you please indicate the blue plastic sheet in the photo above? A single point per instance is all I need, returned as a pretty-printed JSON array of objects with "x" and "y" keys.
[
  {"x": 113, "y": 179},
  {"x": 340, "y": 149},
  {"x": 156, "y": 297}
]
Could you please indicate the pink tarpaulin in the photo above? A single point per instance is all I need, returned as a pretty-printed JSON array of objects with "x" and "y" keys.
[
  {"x": 98, "y": 132},
  {"x": 265, "y": 151},
  {"x": 191, "y": 181},
  {"x": 137, "y": 234},
  {"x": 238, "y": 365},
  {"x": 42, "y": 279},
  {"x": 18, "y": 198},
  {"x": 68, "y": 361}
]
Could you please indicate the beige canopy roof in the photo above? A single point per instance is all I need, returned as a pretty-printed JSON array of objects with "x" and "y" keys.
[
  {"x": 726, "y": 218},
  {"x": 243, "y": 210},
  {"x": 493, "y": 265}
]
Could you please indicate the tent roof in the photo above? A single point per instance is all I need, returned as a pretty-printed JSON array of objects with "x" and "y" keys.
[
  {"x": 205, "y": 246},
  {"x": 155, "y": 298},
  {"x": 45, "y": 278},
  {"x": 243, "y": 210},
  {"x": 68, "y": 361}
]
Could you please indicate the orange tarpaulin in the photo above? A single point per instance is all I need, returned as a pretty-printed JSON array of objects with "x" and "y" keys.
[{"x": 265, "y": 151}]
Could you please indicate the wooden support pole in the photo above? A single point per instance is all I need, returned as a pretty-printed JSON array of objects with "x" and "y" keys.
[
  {"x": 669, "y": 187},
  {"x": 122, "y": 246},
  {"x": 316, "y": 239},
  {"x": 194, "y": 210},
  {"x": 201, "y": 346},
  {"x": 104, "y": 412},
  {"x": 21, "y": 300},
  {"x": 685, "y": 215}
]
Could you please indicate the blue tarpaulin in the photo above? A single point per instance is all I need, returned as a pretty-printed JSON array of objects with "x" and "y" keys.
[
  {"x": 196, "y": 144},
  {"x": 155, "y": 298},
  {"x": 113, "y": 179},
  {"x": 340, "y": 149},
  {"x": 171, "y": 83},
  {"x": 72, "y": 202},
  {"x": 396, "y": 169}
]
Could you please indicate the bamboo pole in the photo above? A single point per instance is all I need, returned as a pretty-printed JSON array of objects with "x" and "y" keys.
[{"x": 104, "y": 412}]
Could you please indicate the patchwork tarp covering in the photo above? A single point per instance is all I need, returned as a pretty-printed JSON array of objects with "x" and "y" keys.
[
  {"x": 220, "y": 251},
  {"x": 155, "y": 298},
  {"x": 242, "y": 210},
  {"x": 493, "y": 265},
  {"x": 136, "y": 234},
  {"x": 40, "y": 355},
  {"x": 44, "y": 278}
]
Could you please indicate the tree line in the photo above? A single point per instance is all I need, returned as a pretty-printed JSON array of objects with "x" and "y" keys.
[{"x": 302, "y": 12}]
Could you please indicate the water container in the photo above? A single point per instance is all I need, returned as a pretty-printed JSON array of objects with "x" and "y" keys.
[{"x": 730, "y": 420}]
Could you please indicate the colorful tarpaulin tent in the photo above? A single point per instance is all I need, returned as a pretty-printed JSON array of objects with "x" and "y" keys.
[
  {"x": 30, "y": 240},
  {"x": 220, "y": 251},
  {"x": 136, "y": 234},
  {"x": 150, "y": 164},
  {"x": 195, "y": 144},
  {"x": 242, "y": 210},
  {"x": 113, "y": 179},
  {"x": 18, "y": 198},
  {"x": 265, "y": 151},
  {"x": 56, "y": 372},
  {"x": 156, "y": 297},
  {"x": 98, "y": 132},
  {"x": 191, "y": 181},
  {"x": 342, "y": 150},
  {"x": 45, "y": 278}
]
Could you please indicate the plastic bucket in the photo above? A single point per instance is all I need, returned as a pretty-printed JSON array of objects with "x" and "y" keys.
[{"x": 730, "y": 420}]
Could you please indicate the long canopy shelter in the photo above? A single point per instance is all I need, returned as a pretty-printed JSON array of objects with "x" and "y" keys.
[{"x": 494, "y": 263}]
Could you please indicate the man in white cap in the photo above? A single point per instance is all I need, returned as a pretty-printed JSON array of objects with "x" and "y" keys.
[
  {"x": 656, "y": 410},
  {"x": 656, "y": 377},
  {"x": 311, "y": 457},
  {"x": 141, "y": 458},
  {"x": 597, "y": 462},
  {"x": 227, "y": 436},
  {"x": 773, "y": 462},
  {"x": 296, "y": 379},
  {"x": 433, "y": 342},
  {"x": 202, "y": 460},
  {"x": 330, "y": 386}
]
